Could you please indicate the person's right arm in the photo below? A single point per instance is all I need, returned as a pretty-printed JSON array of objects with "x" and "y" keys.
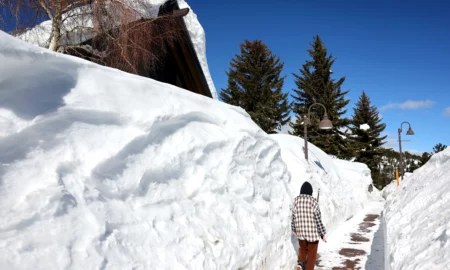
[{"x": 321, "y": 229}]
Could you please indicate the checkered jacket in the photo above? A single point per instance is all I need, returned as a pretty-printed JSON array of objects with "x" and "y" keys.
[{"x": 306, "y": 219}]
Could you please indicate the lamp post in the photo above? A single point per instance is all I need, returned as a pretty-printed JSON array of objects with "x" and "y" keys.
[
  {"x": 409, "y": 132},
  {"x": 324, "y": 124}
]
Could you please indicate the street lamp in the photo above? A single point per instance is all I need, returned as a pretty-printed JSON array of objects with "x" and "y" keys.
[
  {"x": 324, "y": 124},
  {"x": 409, "y": 132}
]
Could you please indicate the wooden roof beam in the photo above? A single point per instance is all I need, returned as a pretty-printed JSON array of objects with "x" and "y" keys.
[{"x": 179, "y": 13}]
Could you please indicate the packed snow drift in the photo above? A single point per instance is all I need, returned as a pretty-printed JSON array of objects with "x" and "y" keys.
[
  {"x": 417, "y": 217},
  {"x": 101, "y": 169}
]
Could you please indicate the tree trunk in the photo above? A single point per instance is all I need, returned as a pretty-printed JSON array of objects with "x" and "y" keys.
[{"x": 56, "y": 33}]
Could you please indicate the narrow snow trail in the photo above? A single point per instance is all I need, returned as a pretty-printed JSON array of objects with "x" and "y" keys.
[{"x": 352, "y": 245}]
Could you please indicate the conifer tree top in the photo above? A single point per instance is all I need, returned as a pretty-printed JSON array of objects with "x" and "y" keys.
[
  {"x": 316, "y": 85},
  {"x": 255, "y": 83}
]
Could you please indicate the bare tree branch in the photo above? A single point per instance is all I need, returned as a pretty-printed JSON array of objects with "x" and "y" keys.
[
  {"x": 118, "y": 32},
  {"x": 46, "y": 8},
  {"x": 75, "y": 4}
]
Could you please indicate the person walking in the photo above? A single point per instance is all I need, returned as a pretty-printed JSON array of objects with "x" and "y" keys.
[{"x": 307, "y": 226}]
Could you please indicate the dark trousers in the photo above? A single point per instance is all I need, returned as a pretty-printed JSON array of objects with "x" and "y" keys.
[{"x": 307, "y": 253}]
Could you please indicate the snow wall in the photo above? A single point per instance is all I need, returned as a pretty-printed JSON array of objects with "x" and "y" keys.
[
  {"x": 417, "y": 218},
  {"x": 101, "y": 169}
]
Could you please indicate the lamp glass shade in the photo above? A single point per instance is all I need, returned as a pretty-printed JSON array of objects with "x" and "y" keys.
[
  {"x": 325, "y": 123},
  {"x": 410, "y": 131}
]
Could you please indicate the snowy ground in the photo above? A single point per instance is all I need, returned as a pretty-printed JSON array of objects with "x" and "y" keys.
[
  {"x": 376, "y": 259},
  {"x": 352, "y": 244}
]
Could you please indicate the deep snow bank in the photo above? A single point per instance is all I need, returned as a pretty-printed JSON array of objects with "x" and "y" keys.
[
  {"x": 105, "y": 170},
  {"x": 343, "y": 184},
  {"x": 389, "y": 189},
  {"x": 417, "y": 218}
]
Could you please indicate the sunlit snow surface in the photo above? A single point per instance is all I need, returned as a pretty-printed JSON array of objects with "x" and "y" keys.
[{"x": 418, "y": 217}]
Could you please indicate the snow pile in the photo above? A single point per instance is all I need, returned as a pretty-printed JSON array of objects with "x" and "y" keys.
[
  {"x": 40, "y": 34},
  {"x": 392, "y": 187},
  {"x": 343, "y": 184},
  {"x": 389, "y": 189},
  {"x": 417, "y": 218},
  {"x": 104, "y": 169}
]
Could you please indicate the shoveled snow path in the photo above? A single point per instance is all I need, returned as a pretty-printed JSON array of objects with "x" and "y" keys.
[{"x": 350, "y": 246}]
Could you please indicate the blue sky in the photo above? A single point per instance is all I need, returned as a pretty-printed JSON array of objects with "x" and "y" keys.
[{"x": 398, "y": 51}]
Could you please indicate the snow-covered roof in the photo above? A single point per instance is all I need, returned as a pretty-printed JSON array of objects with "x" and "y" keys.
[
  {"x": 40, "y": 34},
  {"x": 197, "y": 34}
]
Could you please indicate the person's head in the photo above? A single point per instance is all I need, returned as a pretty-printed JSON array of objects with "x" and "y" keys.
[{"x": 306, "y": 189}]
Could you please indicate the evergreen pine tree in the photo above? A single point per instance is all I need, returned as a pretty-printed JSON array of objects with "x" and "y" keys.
[
  {"x": 439, "y": 147},
  {"x": 255, "y": 83},
  {"x": 411, "y": 161},
  {"x": 367, "y": 142},
  {"x": 315, "y": 85},
  {"x": 424, "y": 158}
]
